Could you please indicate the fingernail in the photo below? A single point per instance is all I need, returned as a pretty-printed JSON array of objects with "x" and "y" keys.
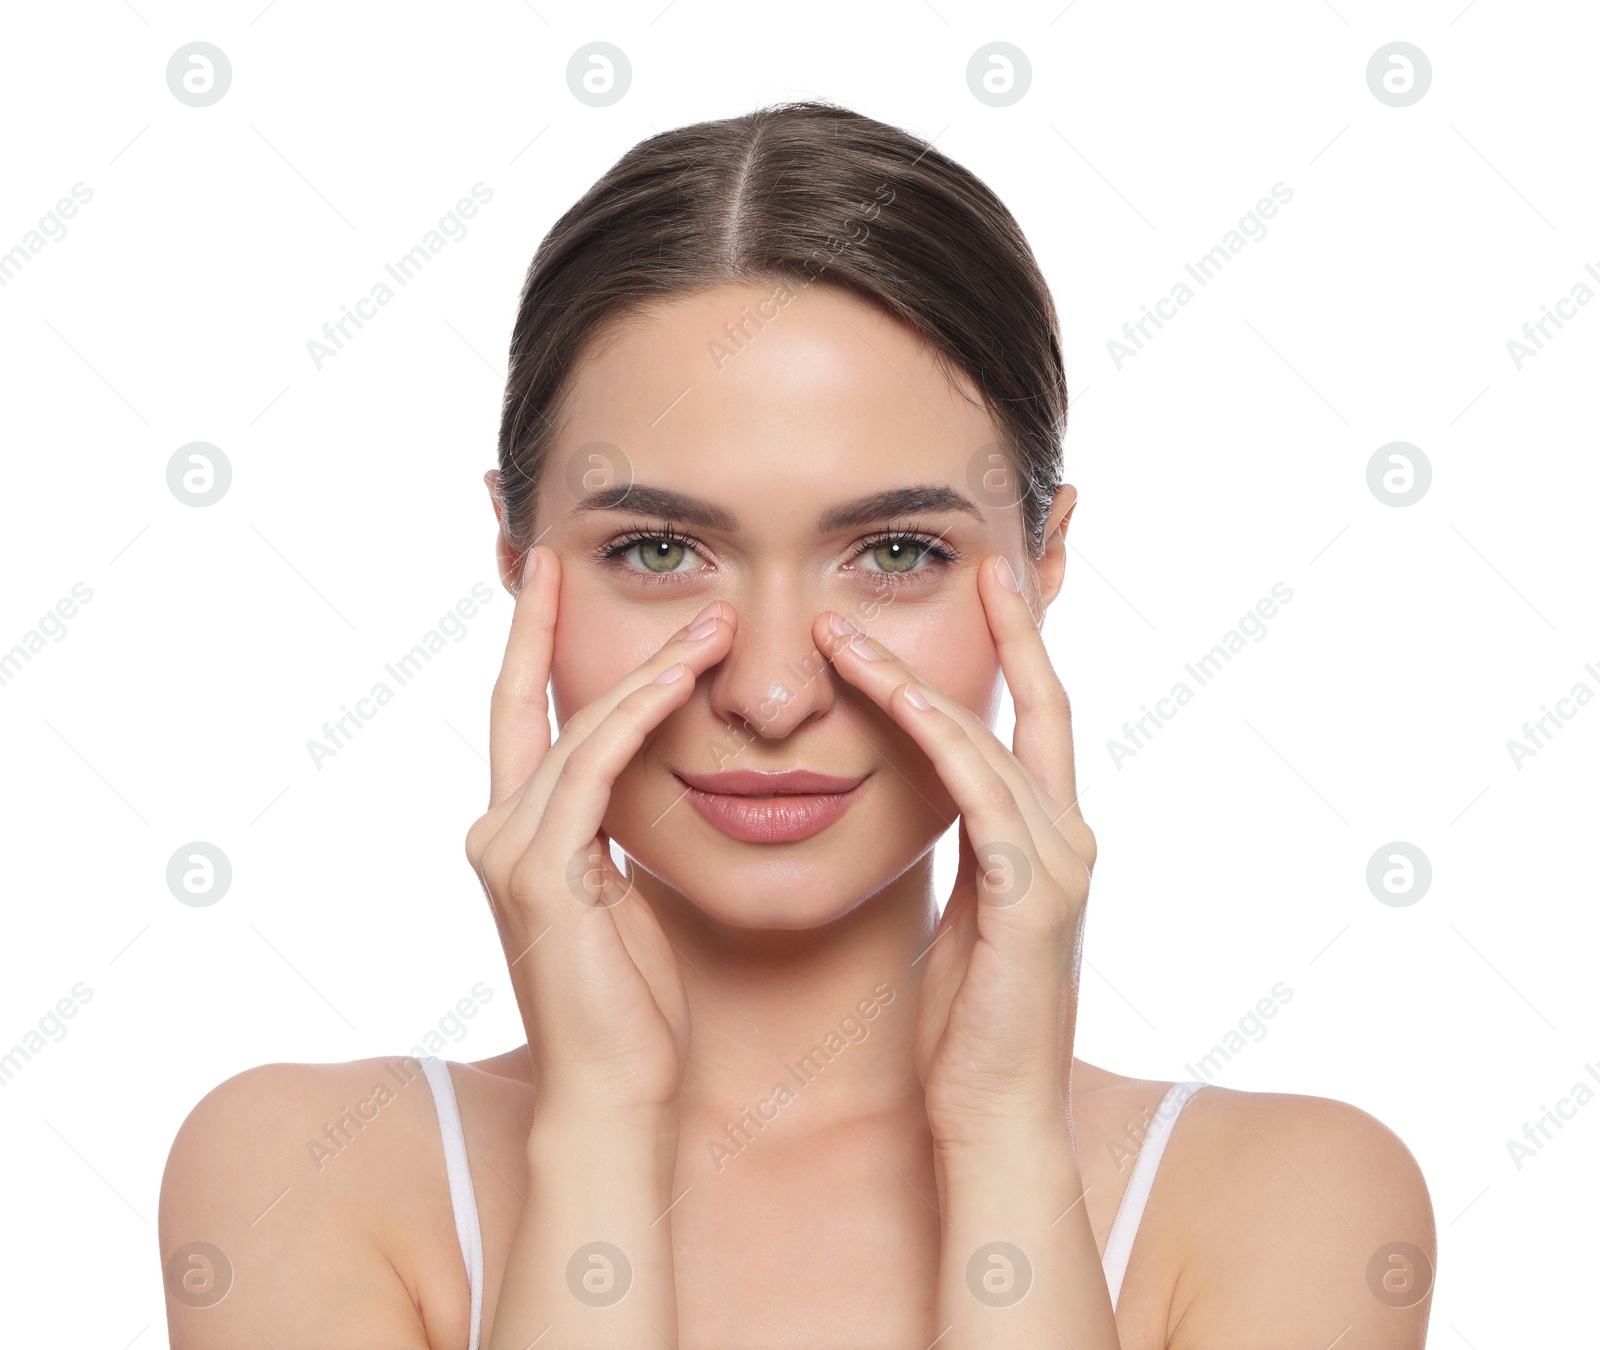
[
  {"x": 530, "y": 565},
  {"x": 700, "y": 630},
  {"x": 862, "y": 648},
  {"x": 1005, "y": 576},
  {"x": 670, "y": 674},
  {"x": 711, "y": 608},
  {"x": 915, "y": 699},
  {"x": 841, "y": 626}
]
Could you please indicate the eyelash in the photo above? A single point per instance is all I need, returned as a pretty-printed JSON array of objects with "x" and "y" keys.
[{"x": 944, "y": 553}]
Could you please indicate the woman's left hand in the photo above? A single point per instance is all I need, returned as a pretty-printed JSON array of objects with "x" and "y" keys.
[{"x": 997, "y": 1006}]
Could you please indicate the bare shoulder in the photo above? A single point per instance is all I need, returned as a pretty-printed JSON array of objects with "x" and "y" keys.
[
  {"x": 1298, "y": 1217},
  {"x": 299, "y": 1205}
]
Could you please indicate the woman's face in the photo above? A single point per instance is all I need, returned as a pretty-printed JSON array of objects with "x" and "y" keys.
[{"x": 816, "y": 407}]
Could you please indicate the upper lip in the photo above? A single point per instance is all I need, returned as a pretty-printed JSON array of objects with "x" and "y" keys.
[{"x": 754, "y": 783}]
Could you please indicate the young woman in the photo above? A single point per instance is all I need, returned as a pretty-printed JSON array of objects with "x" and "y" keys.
[{"x": 779, "y": 500}]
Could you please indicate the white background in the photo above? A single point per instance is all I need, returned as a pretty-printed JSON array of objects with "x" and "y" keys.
[{"x": 1228, "y": 455}]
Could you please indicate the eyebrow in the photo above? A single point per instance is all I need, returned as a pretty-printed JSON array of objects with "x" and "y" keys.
[{"x": 680, "y": 506}]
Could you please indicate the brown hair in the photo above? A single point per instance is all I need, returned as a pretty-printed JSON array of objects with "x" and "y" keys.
[{"x": 795, "y": 193}]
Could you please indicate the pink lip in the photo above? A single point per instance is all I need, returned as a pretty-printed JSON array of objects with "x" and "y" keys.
[
  {"x": 754, "y": 783},
  {"x": 771, "y": 808}
]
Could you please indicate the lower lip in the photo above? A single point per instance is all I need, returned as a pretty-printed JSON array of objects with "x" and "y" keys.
[{"x": 773, "y": 820}]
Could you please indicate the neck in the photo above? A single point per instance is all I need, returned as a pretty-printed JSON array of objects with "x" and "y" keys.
[{"x": 797, "y": 1031}]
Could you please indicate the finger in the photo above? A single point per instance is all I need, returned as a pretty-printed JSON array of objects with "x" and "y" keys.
[
  {"x": 995, "y": 802},
  {"x": 553, "y": 865},
  {"x": 1043, "y": 738},
  {"x": 584, "y": 780},
  {"x": 519, "y": 716},
  {"x": 643, "y": 704},
  {"x": 881, "y": 678}
]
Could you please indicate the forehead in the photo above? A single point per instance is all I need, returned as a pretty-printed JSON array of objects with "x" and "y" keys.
[{"x": 760, "y": 389}]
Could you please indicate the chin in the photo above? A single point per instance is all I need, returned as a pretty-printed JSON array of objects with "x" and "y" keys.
[{"x": 753, "y": 900}]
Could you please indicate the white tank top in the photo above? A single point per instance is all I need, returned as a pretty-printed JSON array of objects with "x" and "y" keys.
[{"x": 1119, "y": 1243}]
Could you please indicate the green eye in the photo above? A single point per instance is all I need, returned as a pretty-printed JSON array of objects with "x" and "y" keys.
[
  {"x": 901, "y": 553},
  {"x": 662, "y": 555},
  {"x": 898, "y": 555}
]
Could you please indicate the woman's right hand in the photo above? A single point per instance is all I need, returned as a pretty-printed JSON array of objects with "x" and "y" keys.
[{"x": 598, "y": 985}]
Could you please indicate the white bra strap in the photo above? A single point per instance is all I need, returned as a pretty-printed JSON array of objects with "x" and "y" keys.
[
  {"x": 1119, "y": 1243},
  {"x": 462, "y": 1198}
]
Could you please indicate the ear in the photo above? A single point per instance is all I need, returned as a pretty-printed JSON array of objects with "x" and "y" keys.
[
  {"x": 506, "y": 559},
  {"x": 1051, "y": 567}
]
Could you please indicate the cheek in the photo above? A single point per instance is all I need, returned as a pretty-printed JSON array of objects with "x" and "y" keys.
[
  {"x": 592, "y": 650},
  {"x": 569, "y": 687},
  {"x": 951, "y": 648}
]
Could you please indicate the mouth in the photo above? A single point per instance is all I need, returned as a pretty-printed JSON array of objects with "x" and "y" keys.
[{"x": 771, "y": 808}]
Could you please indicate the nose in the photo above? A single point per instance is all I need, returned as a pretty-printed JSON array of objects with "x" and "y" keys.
[{"x": 773, "y": 679}]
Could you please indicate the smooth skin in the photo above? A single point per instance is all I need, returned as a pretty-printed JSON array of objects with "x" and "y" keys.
[
  {"x": 661, "y": 1005},
  {"x": 601, "y": 992}
]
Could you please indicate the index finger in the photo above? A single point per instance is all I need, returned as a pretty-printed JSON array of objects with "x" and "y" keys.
[
  {"x": 1043, "y": 736},
  {"x": 519, "y": 707}
]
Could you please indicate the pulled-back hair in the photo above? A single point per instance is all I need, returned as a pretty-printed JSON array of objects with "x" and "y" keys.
[{"x": 796, "y": 193}]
